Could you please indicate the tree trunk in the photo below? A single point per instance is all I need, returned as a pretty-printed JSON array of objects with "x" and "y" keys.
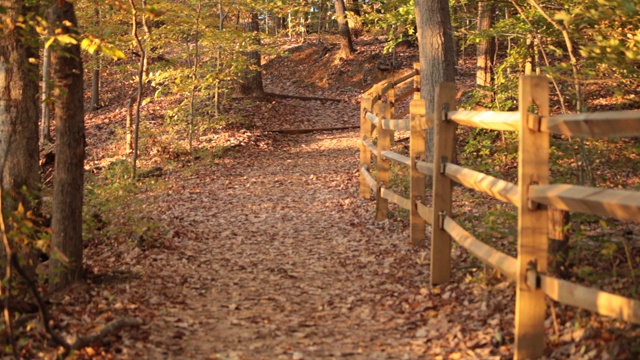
[
  {"x": 141, "y": 68},
  {"x": 216, "y": 93},
  {"x": 194, "y": 88},
  {"x": 95, "y": 73},
  {"x": 128, "y": 147},
  {"x": 251, "y": 79},
  {"x": 19, "y": 172},
  {"x": 437, "y": 60},
  {"x": 146, "y": 41},
  {"x": 66, "y": 259},
  {"x": 95, "y": 83},
  {"x": 486, "y": 46},
  {"x": 320, "y": 18},
  {"x": 45, "y": 125},
  {"x": 18, "y": 110},
  {"x": 346, "y": 42},
  {"x": 558, "y": 242}
]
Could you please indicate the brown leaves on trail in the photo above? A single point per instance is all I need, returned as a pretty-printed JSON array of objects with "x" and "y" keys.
[{"x": 271, "y": 255}]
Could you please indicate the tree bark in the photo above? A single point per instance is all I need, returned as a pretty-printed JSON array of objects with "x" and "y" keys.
[
  {"x": 66, "y": 259},
  {"x": 45, "y": 125},
  {"x": 437, "y": 59},
  {"x": 320, "y": 18},
  {"x": 251, "y": 80},
  {"x": 486, "y": 46},
  {"x": 346, "y": 42},
  {"x": 19, "y": 172},
  {"x": 558, "y": 242},
  {"x": 18, "y": 110},
  {"x": 95, "y": 73},
  {"x": 141, "y": 68}
]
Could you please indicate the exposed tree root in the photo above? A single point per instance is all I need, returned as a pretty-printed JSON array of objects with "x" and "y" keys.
[
  {"x": 110, "y": 328},
  {"x": 307, "y": 98},
  {"x": 307, "y": 131},
  {"x": 82, "y": 341}
]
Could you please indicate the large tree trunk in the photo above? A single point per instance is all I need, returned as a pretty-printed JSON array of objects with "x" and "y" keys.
[
  {"x": 18, "y": 124},
  {"x": 18, "y": 111},
  {"x": 66, "y": 262},
  {"x": 437, "y": 60},
  {"x": 486, "y": 46},
  {"x": 346, "y": 42},
  {"x": 251, "y": 81}
]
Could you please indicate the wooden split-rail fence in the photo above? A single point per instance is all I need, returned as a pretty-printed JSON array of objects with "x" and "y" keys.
[{"x": 533, "y": 195}]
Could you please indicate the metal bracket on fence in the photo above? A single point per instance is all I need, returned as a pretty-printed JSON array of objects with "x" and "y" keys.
[
  {"x": 532, "y": 205},
  {"x": 532, "y": 277},
  {"x": 441, "y": 216},
  {"x": 534, "y": 122},
  {"x": 445, "y": 112},
  {"x": 443, "y": 164},
  {"x": 414, "y": 205}
]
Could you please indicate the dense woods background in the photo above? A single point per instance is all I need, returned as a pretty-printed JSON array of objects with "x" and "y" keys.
[{"x": 100, "y": 99}]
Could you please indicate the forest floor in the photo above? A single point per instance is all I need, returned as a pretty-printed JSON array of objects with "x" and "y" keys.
[{"x": 266, "y": 252}]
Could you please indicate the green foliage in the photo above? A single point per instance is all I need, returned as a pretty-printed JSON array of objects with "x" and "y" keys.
[
  {"x": 395, "y": 18},
  {"x": 207, "y": 58},
  {"x": 27, "y": 233},
  {"x": 609, "y": 35},
  {"x": 488, "y": 151},
  {"x": 91, "y": 45},
  {"x": 605, "y": 35},
  {"x": 112, "y": 207}
]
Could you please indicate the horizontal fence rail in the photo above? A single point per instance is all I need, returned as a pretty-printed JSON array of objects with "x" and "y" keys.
[
  {"x": 501, "y": 261},
  {"x": 600, "y": 302},
  {"x": 497, "y": 188},
  {"x": 596, "y": 125},
  {"x": 397, "y": 158},
  {"x": 621, "y": 204},
  {"x": 395, "y": 198},
  {"x": 533, "y": 196},
  {"x": 492, "y": 120}
]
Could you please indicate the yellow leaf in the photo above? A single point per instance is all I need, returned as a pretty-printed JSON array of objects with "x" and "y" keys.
[{"x": 49, "y": 42}]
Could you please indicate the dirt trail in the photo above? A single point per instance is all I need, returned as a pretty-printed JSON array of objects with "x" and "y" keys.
[
  {"x": 268, "y": 253},
  {"x": 281, "y": 264}
]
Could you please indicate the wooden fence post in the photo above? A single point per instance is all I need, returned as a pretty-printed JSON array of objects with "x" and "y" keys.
[
  {"x": 391, "y": 101},
  {"x": 365, "y": 155},
  {"x": 375, "y": 107},
  {"x": 416, "y": 81},
  {"x": 417, "y": 152},
  {"x": 444, "y": 149},
  {"x": 533, "y": 168},
  {"x": 382, "y": 164}
]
